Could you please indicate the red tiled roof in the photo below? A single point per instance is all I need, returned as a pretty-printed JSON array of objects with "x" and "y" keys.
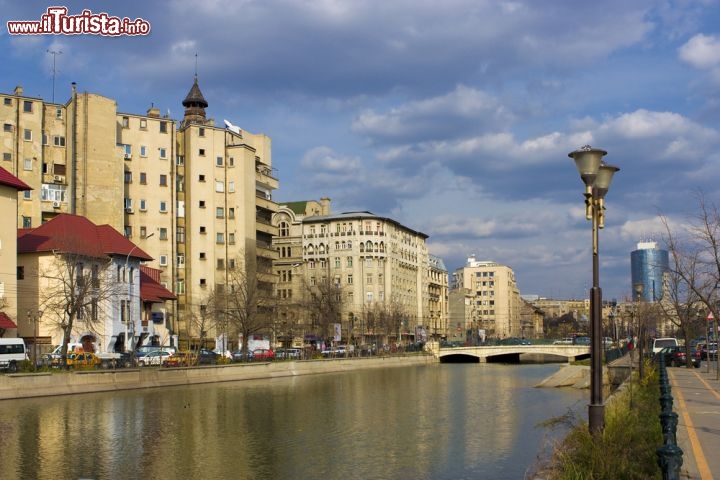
[
  {"x": 10, "y": 180},
  {"x": 150, "y": 288},
  {"x": 76, "y": 234},
  {"x": 5, "y": 322}
]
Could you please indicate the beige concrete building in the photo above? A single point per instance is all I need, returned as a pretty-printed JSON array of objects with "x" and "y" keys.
[
  {"x": 10, "y": 185},
  {"x": 372, "y": 268},
  {"x": 496, "y": 302},
  {"x": 198, "y": 198}
]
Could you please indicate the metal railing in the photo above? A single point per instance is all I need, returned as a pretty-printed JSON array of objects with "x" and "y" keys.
[{"x": 670, "y": 455}]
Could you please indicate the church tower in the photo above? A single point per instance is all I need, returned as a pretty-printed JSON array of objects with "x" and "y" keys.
[{"x": 195, "y": 105}]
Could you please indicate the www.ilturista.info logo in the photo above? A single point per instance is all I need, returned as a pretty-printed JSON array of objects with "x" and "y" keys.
[{"x": 57, "y": 22}]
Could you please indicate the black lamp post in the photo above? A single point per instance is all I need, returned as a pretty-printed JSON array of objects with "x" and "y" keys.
[{"x": 596, "y": 175}]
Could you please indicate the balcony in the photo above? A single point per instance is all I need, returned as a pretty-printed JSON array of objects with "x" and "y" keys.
[{"x": 263, "y": 202}]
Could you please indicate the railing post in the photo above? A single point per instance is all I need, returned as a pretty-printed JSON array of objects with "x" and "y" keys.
[{"x": 669, "y": 454}]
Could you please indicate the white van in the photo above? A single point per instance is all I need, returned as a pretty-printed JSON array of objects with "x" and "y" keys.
[
  {"x": 12, "y": 354},
  {"x": 660, "y": 343}
]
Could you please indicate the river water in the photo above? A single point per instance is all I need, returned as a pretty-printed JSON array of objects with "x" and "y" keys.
[{"x": 435, "y": 422}]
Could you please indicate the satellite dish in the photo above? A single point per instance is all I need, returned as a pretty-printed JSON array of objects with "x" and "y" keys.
[{"x": 232, "y": 127}]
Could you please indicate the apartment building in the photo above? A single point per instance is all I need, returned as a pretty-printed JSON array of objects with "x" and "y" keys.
[
  {"x": 196, "y": 196},
  {"x": 376, "y": 272},
  {"x": 496, "y": 303}
]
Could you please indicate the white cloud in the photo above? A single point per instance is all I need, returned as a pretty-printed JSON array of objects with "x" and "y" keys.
[{"x": 701, "y": 51}]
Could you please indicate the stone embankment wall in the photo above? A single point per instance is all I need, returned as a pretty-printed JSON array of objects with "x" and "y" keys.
[{"x": 67, "y": 383}]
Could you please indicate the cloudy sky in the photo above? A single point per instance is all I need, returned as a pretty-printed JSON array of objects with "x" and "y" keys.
[{"x": 454, "y": 118}]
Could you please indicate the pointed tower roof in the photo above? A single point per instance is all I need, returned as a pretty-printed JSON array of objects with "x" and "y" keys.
[
  {"x": 195, "y": 97},
  {"x": 195, "y": 105}
]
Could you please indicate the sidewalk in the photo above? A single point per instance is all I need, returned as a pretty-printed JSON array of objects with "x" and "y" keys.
[{"x": 696, "y": 400}]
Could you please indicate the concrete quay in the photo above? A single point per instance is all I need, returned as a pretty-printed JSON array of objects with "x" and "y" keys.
[
  {"x": 696, "y": 400},
  {"x": 26, "y": 385}
]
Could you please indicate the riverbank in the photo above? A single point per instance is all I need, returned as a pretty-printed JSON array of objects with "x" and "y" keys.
[{"x": 26, "y": 385}]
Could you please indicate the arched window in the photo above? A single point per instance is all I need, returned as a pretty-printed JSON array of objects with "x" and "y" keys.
[
  {"x": 284, "y": 229},
  {"x": 362, "y": 247}
]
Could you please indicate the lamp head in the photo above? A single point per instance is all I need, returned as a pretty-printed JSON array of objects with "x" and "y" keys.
[{"x": 588, "y": 161}]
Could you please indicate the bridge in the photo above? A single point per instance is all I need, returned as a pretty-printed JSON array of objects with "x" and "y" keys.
[{"x": 509, "y": 353}]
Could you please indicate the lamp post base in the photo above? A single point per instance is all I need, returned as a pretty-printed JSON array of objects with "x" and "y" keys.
[{"x": 596, "y": 418}]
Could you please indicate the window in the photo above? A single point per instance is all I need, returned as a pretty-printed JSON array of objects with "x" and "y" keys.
[
  {"x": 8, "y": 101},
  {"x": 27, "y": 106},
  {"x": 163, "y": 127},
  {"x": 337, "y": 262},
  {"x": 201, "y": 204},
  {"x": 26, "y": 222},
  {"x": 163, "y": 180},
  {"x": 180, "y": 234},
  {"x": 143, "y": 205},
  {"x": 201, "y": 152},
  {"x": 143, "y": 178},
  {"x": 128, "y": 231},
  {"x": 219, "y": 212},
  {"x": 219, "y": 186},
  {"x": 369, "y": 296},
  {"x": 350, "y": 279},
  {"x": 125, "y": 122},
  {"x": 349, "y": 261},
  {"x": 163, "y": 206},
  {"x": 163, "y": 233},
  {"x": 7, "y": 157},
  {"x": 231, "y": 238},
  {"x": 44, "y": 139},
  {"x": 58, "y": 140},
  {"x": 219, "y": 161},
  {"x": 221, "y": 264},
  {"x": 201, "y": 178},
  {"x": 143, "y": 232},
  {"x": 180, "y": 259},
  {"x": 231, "y": 162},
  {"x": 180, "y": 286},
  {"x": 163, "y": 153},
  {"x": 7, "y": 127},
  {"x": 202, "y": 256},
  {"x": 128, "y": 177},
  {"x": 203, "y": 283},
  {"x": 128, "y": 203},
  {"x": 163, "y": 260},
  {"x": 284, "y": 229},
  {"x": 20, "y": 273},
  {"x": 231, "y": 186},
  {"x": 52, "y": 192},
  {"x": 231, "y": 212},
  {"x": 27, "y": 164},
  {"x": 180, "y": 160},
  {"x": 231, "y": 264},
  {"x": 201, "y": 132},
  {"x": 27, "y": 135},
  {"x": 219, "y": 237},
  {"x": 143, "y": 123},
  {"x": 143, "y": 151},
  {"x": 202, "y": 230}
]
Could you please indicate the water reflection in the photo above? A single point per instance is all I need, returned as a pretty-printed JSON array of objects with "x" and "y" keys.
[{"x": 428, "y": 422}]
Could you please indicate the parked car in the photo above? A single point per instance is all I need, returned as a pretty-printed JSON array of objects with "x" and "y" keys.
[
  {"x": 240, "y": 356},
  {"x": 581, "y": 341},
  {"x": 83, "y": 360},
  {"x": 263, "y": 354},
  {"x": 564, "y": 341},
  {"x": 288, "y": 353},
  {"x": 708, "y": 353},
  {"x": 207, "y": 357},
  {"x": 179, "y": 359},
  {"x": 675, "y": 356},
  {"x": 156, "y": 357}
]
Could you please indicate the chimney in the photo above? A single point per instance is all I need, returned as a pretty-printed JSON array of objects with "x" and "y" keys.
[
  {"x": 325, "y": 204},
  {"x": 18, "y": 90}
]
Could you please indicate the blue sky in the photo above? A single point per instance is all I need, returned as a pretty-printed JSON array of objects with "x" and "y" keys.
[{"x": 454, "y": 118}]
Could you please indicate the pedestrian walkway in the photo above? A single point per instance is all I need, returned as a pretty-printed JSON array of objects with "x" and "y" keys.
[{"x": 696, "y": 400}]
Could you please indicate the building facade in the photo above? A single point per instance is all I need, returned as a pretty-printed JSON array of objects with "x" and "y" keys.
[
  {"x": 369, "y": 275},
  {"x": 196, "y": 196},
  {"x": 496, "y": 303},
  {"x": 648, "y": 267}
]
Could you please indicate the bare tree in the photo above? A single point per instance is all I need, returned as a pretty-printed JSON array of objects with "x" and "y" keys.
[
  {"x": 695, "y": 253},
  {"x": 78, "y": 287},
  {"x": 324, "y": 304},
  {"x": 240, "y": 307}
]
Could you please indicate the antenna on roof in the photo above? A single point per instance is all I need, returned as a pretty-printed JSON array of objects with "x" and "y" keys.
[
  {"x": 54, "y": 54},
  {"x": 196, "y": 55}
]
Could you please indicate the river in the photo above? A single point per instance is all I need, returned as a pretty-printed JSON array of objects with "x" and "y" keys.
[{"x": 434, "y": 422}]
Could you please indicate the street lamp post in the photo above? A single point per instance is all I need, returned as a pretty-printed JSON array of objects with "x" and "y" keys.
[
  {"x": 596, "y": 175},
  {"x": 129, "y": 320}
]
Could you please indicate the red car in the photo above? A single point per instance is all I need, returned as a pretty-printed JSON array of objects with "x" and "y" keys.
[{"x": 263, "y": 354}]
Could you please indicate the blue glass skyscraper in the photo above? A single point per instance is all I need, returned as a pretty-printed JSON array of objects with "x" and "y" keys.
[{"x": 648, "y": 264}]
